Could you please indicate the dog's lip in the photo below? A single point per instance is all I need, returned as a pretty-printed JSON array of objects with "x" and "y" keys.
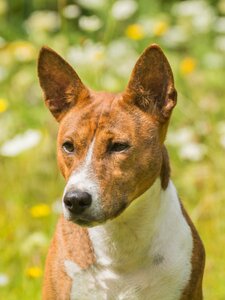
[{"x": 85, "y": 222}]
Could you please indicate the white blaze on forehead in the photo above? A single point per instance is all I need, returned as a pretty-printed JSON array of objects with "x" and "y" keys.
[
  {"x": 89, "y": 154},
  {"x": 84, "y": 179}
]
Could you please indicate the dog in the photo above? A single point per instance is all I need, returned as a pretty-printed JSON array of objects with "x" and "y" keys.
[{"x": 124, "y": 233}]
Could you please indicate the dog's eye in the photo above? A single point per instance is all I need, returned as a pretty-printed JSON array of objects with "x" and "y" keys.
[
  {"x": 118, "y": 147},
  {"x": 68, "y": 147}
]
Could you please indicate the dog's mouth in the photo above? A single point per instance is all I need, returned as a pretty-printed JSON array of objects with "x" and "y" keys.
[
  {"x": 83, "y": 223},
  {"x": 86, "y": 220}
]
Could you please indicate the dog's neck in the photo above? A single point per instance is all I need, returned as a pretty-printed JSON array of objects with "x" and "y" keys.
[{"x": 131, "y": 234}]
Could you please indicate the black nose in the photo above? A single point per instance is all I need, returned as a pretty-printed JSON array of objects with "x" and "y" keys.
[{"x": 77, "y": 201}]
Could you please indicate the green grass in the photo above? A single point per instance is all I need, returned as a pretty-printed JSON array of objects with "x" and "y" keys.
[{"x": 32, "y": 177}]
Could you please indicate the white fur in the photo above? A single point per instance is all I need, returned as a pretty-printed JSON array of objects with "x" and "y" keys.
[
  {"x": 83, "y": 179},
  {"x": 144, "y": 254}
]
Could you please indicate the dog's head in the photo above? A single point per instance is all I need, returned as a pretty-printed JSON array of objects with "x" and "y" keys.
[{"x": 110, "y": 146}]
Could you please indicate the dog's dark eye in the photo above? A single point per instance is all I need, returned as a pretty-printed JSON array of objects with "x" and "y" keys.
[
  {"x": 118, "y": 147},
  {"x": 68, "y": 147}
]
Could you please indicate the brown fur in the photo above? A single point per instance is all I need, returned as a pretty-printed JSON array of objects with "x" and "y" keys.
[
  {"x": 193, "y": 290},
  {"x": 139, "y": 117},
  {"x": 70, "y": 242},
  {"x": 61, "y": 85}
]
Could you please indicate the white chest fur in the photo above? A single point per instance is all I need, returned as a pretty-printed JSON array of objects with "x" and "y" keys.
[{"x": 143, "y": 254}]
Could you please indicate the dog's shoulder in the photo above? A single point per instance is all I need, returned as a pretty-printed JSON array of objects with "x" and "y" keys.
[
  {"x": 193, "y": 289},
  {"x": 57, "y": 283}
]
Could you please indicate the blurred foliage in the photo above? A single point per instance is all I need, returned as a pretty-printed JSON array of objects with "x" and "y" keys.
[{"x": 102, "y": 40}]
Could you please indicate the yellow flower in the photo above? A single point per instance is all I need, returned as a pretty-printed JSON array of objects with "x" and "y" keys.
[
  {"x": 3, "y": 105},
  {"x": 160, "y": 28},
  {"x": 99, "y": 55},
  {"x": 34, "y": 272},
  {"x": 187, "y": 65},
  {"x": 135, "y": 32},
  {"x": 23, "y": 51},
  {"x": 40, "y": 210},
  {"x": 3, "y": 7}
]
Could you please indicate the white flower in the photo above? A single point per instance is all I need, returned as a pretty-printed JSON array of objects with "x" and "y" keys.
[
  {"x": 92, "y": 23},
  {"x": 220, "y": 43},
  {"x": 35, "y": 240},
  {"x": 125, "y": 67},
  {"x": 110, "y": 82},
  {"x": 87, "y": 55},
  {"x": 6, "y": 122},
  {"x": 119, "y": 49},
  {"x": 180, "y": 137},
  {"x": 189, "y": 8},
  {"x": 4, "y": 279},
  {"x": 148, "y": 24},
  {"x": 42, "y": 21},
  {"x": 121, "y": 54},
  {"x": 222, "y": 141},
  {"x": 213, "y": 60},
  {"x": 57, "y": 206},
  {"x": 155, "y": 26},
  {"x": 20, "y": 143},
  {"x": 76, "y": 55},
  {"x": 221, "y": 131},
  {"x": 2, "y": 42},
  {"x": 220, "y": 25},
  {"x": 123, "y": 9},
  {"x": 203, "y": 128},
  {"x": 3, "y": 73},
  {"x": 184, "y": 138},
  {"x": 192, "y": 151},
  {"x": 200, "y": 13},
  {"x": 23, "y": 51},
  {"x": 175, "y": 36},
  {"x": 92, "y": 4},
  {"x": 203, "y": 22},
  {"x": 71, "y": 11},
  {"x": 221, "y": 127}
]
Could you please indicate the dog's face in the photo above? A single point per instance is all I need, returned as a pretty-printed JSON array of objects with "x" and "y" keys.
[{"x": 109, "y": 145}]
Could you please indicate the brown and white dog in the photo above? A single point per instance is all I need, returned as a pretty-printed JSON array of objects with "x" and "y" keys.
[{"x": 124, "y": 234}]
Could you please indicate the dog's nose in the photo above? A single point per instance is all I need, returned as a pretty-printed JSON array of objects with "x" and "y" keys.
[{"x": 77, "y": 201}]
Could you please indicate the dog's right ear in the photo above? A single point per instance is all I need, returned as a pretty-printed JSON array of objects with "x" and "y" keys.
[{"x": 60, "y": 83}]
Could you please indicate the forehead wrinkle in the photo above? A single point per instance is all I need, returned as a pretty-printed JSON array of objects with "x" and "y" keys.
[
  {"x": 106, "y": 109},
  {"x": 82, "y": 123},
  {"x": 101, "y": 103}
]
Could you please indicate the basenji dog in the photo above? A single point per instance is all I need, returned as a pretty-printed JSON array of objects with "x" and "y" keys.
[{"x": 123, "y": 234}]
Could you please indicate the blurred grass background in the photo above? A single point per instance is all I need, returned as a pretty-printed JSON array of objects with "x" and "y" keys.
[{"x": 102, "y": 40}]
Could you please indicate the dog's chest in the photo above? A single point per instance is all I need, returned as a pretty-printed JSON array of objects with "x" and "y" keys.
[
  {"x": 103, "y": 284},
  {"x": 151, "y": 282},
  {"x": 137, "y": 260}
]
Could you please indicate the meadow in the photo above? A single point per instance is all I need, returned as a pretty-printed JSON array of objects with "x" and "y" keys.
[{"x": 102, "y": 40}]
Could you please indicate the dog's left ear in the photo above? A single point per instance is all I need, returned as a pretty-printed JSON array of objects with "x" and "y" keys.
[
  {"x": 60, "y": 83},
  {"x": 151, "y": 86}
]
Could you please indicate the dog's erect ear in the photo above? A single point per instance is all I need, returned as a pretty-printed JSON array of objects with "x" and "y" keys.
[
  {"x": 151, "y": 86},
  {"x": 60, "y": 83}
]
